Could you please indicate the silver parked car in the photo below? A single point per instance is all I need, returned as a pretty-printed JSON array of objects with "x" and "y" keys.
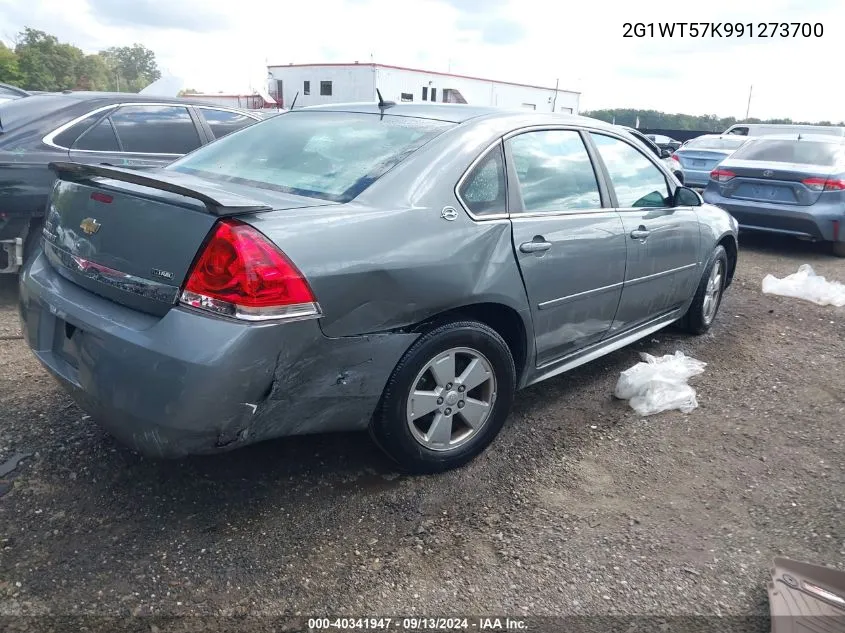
[
  {"x": 791, "y": 184},
  {"x": 398, "y": 268},
  {"x": 701, "y": 155}
]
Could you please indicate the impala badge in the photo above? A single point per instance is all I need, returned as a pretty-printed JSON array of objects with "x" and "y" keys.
[
  {"x": 89, "y": 226},
  {"x": 768, "y": 173}
]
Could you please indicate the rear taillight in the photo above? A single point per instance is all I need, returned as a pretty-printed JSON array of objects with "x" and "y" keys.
[
  {"x": 675, "y": 158},
  {"x": 721, "y": 175},
  {"x": 240, "y": 273},
  {"x": 824, "y": 184}
]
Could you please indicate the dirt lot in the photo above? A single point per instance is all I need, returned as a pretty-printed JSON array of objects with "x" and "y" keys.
[{"x": 580, "y": 506}]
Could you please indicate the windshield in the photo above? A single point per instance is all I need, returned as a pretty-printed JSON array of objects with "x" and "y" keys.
[
  {"x": 19, "y": 111},
  {"x": 715, "y": 143},
  {"x": 788, "y": 151},
  {"x": 329, "y": 155}
]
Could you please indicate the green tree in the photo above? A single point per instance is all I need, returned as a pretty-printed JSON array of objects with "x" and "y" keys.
[
  {"x": 8, "y": 65},
  {"x": 45, "y": 63},
  {"x": 132, "y": 68},
  {"x": 188, "y": 91},
  {"x": 93, "y": 74}
]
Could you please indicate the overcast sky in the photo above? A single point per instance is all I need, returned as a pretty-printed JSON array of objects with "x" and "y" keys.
[{"x": 224, "y": 45}]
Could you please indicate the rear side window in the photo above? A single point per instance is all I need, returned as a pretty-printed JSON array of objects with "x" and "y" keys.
[
  {"x": 100, "y": 138},
  {"x": 156, "y": 129},
  {"x": 787, "y": 151},
  {"x": 554, "y": 171},
  {"x": 483, "y": 191},
  {"x": 329, "y": 155},
  {"x": 715, "y": 143},
  {"x": 223, "y": 122},
  {"x": 69, "y": 136}
]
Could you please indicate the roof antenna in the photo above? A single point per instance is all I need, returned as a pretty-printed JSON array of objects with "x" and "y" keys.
[
  {"x": 293, "y": 103},
  {"x": 382, "y": 104}
]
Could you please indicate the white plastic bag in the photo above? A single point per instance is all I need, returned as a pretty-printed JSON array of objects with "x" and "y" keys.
[
  {"x": 807, "y": 285},
  {"x": 660, "y": 384}
]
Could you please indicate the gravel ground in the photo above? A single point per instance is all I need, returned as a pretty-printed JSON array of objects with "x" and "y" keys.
[{"x": 580, "y": 507}]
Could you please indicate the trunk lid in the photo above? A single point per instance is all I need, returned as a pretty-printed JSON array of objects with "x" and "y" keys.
[
  {"x": 778, "y": 183},
  {"x": 135, "y": 243},
  {"x": 700, "y": 159}
]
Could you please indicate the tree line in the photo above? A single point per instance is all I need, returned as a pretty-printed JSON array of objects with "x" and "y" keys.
[
  {"x": 39, "y": 61},
  {"x": 653, "y": 119}
]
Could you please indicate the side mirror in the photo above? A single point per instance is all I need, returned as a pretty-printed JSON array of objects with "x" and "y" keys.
[
  {"x": 665, "y": 153},
  {"x": 686, "y": 197}
]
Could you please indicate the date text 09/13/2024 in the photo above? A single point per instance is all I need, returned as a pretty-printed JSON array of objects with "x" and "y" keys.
[
  {"x": 723, "y": 29},
  {"x": 417, "y": 623}
]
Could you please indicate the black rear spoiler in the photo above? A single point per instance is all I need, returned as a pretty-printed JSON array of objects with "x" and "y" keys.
[{"x": 216, "y": 200}]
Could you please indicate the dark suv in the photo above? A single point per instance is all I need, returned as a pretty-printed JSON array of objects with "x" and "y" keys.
[{"x": 127, "y": 130}]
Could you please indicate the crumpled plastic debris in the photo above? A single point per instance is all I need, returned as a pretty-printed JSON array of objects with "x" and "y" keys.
[
  {"x": 660, "y": 383},
  {"x": 807, "y": 285}
]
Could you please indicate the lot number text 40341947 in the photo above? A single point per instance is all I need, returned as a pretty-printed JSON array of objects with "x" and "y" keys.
[{"x": 722, "y": 29}]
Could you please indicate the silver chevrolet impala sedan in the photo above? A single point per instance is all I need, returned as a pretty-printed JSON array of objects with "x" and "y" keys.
[{"x": 397, "y": 268}]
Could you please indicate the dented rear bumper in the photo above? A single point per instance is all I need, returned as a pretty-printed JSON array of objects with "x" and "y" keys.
[{"x": 187, "y": 383}]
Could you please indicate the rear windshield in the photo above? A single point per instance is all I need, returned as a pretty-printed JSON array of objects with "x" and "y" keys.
[
  {"x": 715, "y": 143},
  {"x": 788, "y": 151},
  {"x": 329, "y": 155},
  {"x": 19, "y": 111}
]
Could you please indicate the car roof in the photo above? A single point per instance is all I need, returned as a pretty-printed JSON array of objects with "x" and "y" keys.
[
  {"x": 72, "y": 97},
  {"x": 721, "y": 136},
  {"x": 801, "y": 136},
  {"x": 459, "y": 113},
  {"x": 18, "y": 91}
]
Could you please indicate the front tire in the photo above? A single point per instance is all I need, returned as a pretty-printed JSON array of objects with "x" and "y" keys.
[
  {"x": 708, "y": 297},
  {"x": 447, "y": 398}
]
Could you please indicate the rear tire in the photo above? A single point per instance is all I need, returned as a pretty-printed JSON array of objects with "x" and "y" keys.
[
  {"x": 447, "y": 398},
  {"x": 838, "y": 248},
  {"x": 708, "y": 297}
]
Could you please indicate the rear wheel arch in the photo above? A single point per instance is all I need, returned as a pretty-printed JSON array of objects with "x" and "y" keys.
[
  {"x": 728, "y": 242},
  {"x": 502, "y": 318}
]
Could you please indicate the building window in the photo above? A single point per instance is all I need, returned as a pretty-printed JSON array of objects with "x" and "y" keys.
[
  {"x": 425, "y": 93},
  {"x": 434, "y": 94},
  {"x": 407, "y": 96},
  {"x": 567, "y": 110},
  {"x": 306, "y": 87},
  {"x": 326, "y": 88},
  {"x": 529, "y": 106}
]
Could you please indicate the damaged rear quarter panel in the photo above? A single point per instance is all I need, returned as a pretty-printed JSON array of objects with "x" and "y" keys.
[{"x": 332, "y": 385}]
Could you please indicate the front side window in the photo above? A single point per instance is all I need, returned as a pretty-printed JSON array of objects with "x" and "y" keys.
[
  {"x": 326, "y": 88},
  {"x": 223, "y": 122},
  {"x": 637, "y": 181},
  {"x": 554, "y": 171},
  {"x": 484, "y": 191},
  {"x": 306, "y": 87},
  {"x": 328, "y": 155},
  {"x": 154, "y": 129}
]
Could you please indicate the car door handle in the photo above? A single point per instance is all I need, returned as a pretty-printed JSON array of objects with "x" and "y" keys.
[
  {"x": 640, "y": 234},
  {"x": 535, "y": 247}
]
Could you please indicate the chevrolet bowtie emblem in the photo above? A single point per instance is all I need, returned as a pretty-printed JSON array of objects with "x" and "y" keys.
[{"x": 89, "y": 226}]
